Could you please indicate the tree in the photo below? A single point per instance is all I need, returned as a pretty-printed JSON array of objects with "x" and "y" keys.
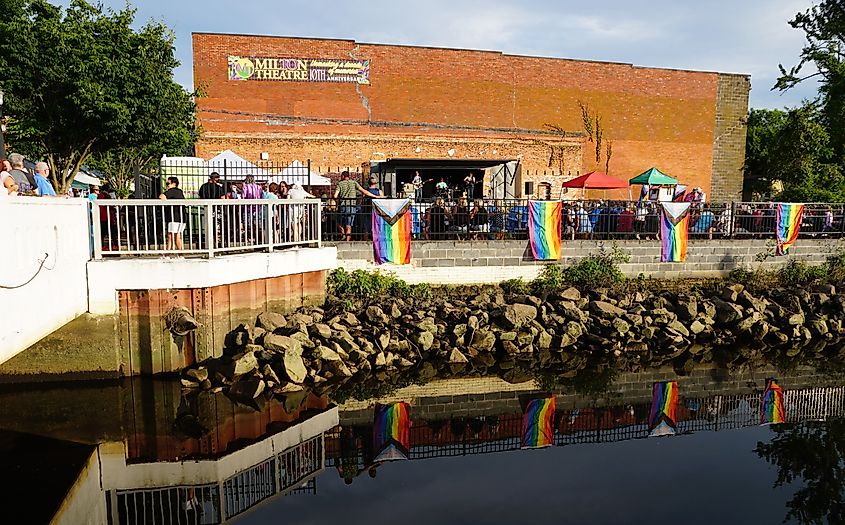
[
  {"x": 764, "y": 127},
  {"x": 82, "y": 82},
  {"x": 815, "y": 453},
  {"x": 824, "y": 28},
  {"x": 792, "y": 148}
]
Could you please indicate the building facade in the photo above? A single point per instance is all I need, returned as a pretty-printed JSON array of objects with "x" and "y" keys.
[{"x": 341, "y": 103}]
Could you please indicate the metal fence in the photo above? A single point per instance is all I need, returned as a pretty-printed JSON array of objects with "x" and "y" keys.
[
  {"x": 484, "y": 435},
  {"x": 490, "y": 219},
  {"x": 204, "y": 227},
  {"x": 290, "y": 471}
]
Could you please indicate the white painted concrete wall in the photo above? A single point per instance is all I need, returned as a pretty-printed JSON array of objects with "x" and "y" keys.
[
  {"x": 85, "y": 503},
  {"x": 107, "y": 276},
  {"x": 31, "y": 228}
]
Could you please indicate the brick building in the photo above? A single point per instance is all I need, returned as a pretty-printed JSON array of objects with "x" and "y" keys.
[{"x": 342, "y": 103}]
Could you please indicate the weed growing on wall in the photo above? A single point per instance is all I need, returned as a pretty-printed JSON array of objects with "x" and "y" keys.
[{"x": 362, "y": 284}]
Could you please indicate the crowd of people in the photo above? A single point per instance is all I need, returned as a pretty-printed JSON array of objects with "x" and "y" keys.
[{"x": 16, "y": 179}]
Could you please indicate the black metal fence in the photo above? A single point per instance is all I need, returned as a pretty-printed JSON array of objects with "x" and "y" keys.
[{"x": 489, "y": 219}]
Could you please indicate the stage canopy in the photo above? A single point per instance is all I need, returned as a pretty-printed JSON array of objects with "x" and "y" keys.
[
  {"x": 654, "y": 177},
  {"x": 595, "y": 180}
]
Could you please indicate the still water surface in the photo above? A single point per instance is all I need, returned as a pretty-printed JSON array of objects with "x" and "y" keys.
[{"x": 162, "y": 457}]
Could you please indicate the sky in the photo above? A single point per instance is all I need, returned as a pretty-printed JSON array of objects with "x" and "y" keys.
[{"x": 751, "y": 37}]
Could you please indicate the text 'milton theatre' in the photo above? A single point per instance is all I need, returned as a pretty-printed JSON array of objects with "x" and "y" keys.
[{"x": 445, "y": 111}]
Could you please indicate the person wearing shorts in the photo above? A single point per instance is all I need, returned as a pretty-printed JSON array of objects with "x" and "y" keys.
[
  {"x": 346, "y": 194},
  {"x": 174, "y": 216}
]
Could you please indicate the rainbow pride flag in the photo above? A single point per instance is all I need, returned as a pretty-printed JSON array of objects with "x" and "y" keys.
[
  {"x": 392, "y": 227},
  {"x": 664, "y": 402},
  {"x": 787, "y": 226},
  {"x": 774, "y": 410},
  {"x": 391, "y": 431},
  {"x": 538, "y": 423},
  {"x": 674, "y": 229},
  {"x": 544, "y": 229}
]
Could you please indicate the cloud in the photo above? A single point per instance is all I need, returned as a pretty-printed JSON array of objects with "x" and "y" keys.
[{"x": 719, "y": 35}]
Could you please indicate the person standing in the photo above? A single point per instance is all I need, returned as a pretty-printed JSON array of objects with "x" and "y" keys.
[
  {"x": 418, "y": 186},
  {"x": 212, "y": 189},
  {"x": 174, "y": 216},
  {"x": 346, "y": 193},
  {"x": 44, "y": 188},
  {"x": 469, "y": 185}
]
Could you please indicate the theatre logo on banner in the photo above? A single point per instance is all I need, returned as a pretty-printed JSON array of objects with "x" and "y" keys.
[
  {"x": 788, "y": 225},
  {"x": 392, "y": 231},
  {"x": 544, "y": 229},
  {"x": 674, "y": 231}
]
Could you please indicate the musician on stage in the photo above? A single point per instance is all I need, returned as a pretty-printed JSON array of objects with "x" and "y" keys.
[
  {"x": 418, "y": 186},
  {"x": 469, "y": 184},
  {"x": 441, "y": 187}
]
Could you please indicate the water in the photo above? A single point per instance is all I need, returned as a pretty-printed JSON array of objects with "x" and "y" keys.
[{"x": 155, "y": 455}]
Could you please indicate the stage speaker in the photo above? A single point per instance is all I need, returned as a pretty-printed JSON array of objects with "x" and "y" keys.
[{"x": 529, "y": 189}]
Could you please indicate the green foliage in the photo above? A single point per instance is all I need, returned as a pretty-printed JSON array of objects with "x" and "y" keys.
[
  {"x": 805, "y": 149},
  {"x": 809, "y": 458},
  {"x": 836, "y": 266},
  {"x": 82, "y": 82},
  {"x": 515, "y": 286},
  {"x": 361, "y": 284},
  {"x": 824, "y": 28},
  {"x": 799, "y": 273},
  {"x": 552, "y": 277},
  {"x": 794, "y": 149},
  {"x": 598, "y": 269},
  {"x": 742, "y": 276}
]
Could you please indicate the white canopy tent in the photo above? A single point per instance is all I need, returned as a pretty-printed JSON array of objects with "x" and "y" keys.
[
  {"x": 235, "y": 166},
  {"x": 299, "y": 172}
]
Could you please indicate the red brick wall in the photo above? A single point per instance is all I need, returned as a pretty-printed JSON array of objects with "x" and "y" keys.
[{"x": 655, "y": 117}]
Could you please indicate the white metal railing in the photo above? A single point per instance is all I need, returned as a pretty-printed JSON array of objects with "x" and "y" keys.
[
  {"x": 202, "y": 227},
  {"x": 216, "y": 503}
]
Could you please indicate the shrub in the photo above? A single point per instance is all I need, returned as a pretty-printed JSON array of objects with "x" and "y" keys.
[
  {"x": 362, "y": 284},
  {"x": 836, "y": 265},
  {"x": 515, "y": 286},
  {"x": 799, "y": 273},
  {"x": 598, "y": 269},
  {"x": 552, "y": 277}
]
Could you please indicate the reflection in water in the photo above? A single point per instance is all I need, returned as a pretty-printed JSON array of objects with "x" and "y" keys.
[
  {"x": 202, "y": 459},
  {"x": 812, "y": 452}
]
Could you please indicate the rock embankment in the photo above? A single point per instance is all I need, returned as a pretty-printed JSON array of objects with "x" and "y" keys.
[{"x": 320, "y": 348}]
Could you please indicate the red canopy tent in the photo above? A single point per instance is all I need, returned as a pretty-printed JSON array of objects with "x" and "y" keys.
[{"x": 596, "y": 180}]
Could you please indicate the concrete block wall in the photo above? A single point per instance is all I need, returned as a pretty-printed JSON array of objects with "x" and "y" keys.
[{"x": 470, "y": 262}]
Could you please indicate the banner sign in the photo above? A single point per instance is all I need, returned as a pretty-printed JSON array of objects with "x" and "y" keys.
[{"x": 299, "y": 69}]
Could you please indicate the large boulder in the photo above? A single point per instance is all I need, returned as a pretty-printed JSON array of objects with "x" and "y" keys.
[
  {"x": 483, "y": 341},
  {"x": 571, "y": 294},
  {"x": 456, "y": 357},
  {"x": 320, "y": 330},
  {"x": 424, "y": 340},
  {"x": 294, "y": 367},
  {"x": 246, "y": 390},
  {"x": 518, "y": 315},
  {"x": 606, "y": 310},
  {"x": 282, "y": 344},
  {"x": 727, "y": 313},
  {"x": 271, "y": 320},
  {"x": 686, "y": 308}
]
